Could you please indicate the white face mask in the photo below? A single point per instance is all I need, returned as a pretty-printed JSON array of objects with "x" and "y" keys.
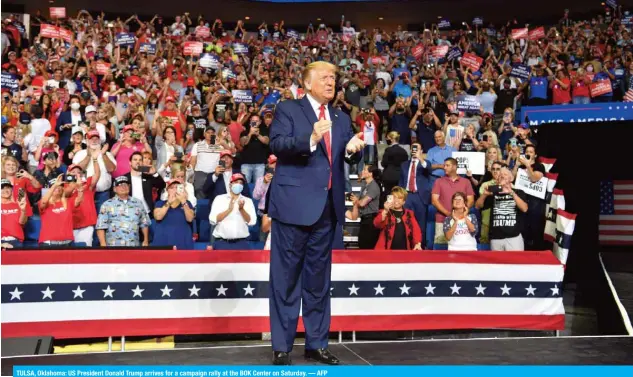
[{"x": 75, "y": 106}]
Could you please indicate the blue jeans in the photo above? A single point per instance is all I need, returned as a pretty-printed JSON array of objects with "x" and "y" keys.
[
  {"x": 253, "y": 171},
  {"x": 581, "y": 100}
]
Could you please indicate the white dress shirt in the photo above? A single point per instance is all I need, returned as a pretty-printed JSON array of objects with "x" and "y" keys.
[
  {"x": 233, "y": 226},
  {"x": 137, "y": 190},
  {"x": 317, "y": 110},
  {"x": 414, "y": 165}
]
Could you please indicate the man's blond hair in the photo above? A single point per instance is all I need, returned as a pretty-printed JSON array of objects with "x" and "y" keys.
[{"x": 320, "y": 65}]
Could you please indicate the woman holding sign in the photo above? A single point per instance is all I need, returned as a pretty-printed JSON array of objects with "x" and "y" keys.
[{"x": 535, "y": 216}]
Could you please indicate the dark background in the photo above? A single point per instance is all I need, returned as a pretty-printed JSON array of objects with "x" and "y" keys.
[{"x": 410, "y": 14}]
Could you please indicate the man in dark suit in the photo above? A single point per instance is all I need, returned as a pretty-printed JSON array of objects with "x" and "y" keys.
[
  {"x": 142, "y": 183},
  {"x": 415, "y": 177},
  {"x": 311, "y": 141},
  {"x": 218, "y": 182}
]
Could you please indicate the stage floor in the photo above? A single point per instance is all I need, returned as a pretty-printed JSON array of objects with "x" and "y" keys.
[{"x": 506, "y": 351}]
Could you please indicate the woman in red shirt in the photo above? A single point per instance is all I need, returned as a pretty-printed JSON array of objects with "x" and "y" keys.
[
  {"x": 399, "y": 229},
  {"x": 21, "y": 180},
  {"x": 580, "y": 88},
  {"x": 560, "y": 88},
  {"x": 13, "y": 216},
  {"x": 56, "y": 213}
]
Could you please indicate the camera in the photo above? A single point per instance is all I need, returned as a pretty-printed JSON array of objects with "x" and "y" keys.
[
  {"x": 495, "y": 189},
  {"x": 70, "y": 178}
]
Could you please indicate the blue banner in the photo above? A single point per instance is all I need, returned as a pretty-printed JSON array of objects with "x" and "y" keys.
[
  {"x": 444, "y": 24},
  {"x": 478, "y": 21},
  {"x": 10, "y": 81},
  {"x": 268, "y": 50},
  {"x": 627, "y": 20},
  {"x": 292, "y": 34},
  {"x": 453, "y": 53},
  {"x": 242, "y": 96},
  {"x": 240, "y": 48},
  {"x": 612, "y": 3},
  {"x": 228, "y": 74},
  {"x": 323, "y": 371},
  {"x": 148, "y": 48},
  {"x": 208, "y": 60},
  {"x": 521, "y": 71},
  {"x": 125, "y": 40},
  {"x": 468, "y": 103},
  {"x": 593, "y": 112}
]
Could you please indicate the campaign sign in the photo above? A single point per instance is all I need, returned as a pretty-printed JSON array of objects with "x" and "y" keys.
[
  {"x": 439, "y": 52},
  {"x": 627, "y": 20},
  {"x": 601, "y": 87},
  {"x": 57, "y": 12},
  {"x": 102, "y": 68},
  {"x": 228, "y": 74},
  {"x": 453, "y": 54},
  {"x": 537, "y": 34},
  {"x": 536, "y": 189},
  {"x": 377, "y": 60},
  {"x": 472, "y": 61},
  {"x": 240, "y": 48},
  {"x": 520, "y": 33},
  {"x": 594, "y": 112},
  {"x": 242, "y": 96},
  {"x": 49, "y": 31},
  {"x": 292, "y": 34},
  {"x": 444, "y": 24},
  {"x": 268, "y": 50},
  {"x": 66, "y": 35},
  {"x": 208, "y": 60},
  {"x": 125, "y": 39},
  {"x": 417, "y": 51},
  {"x": 612, "y": 3},
  {"x": 147, "y": 48},
  {"x": 478, "y": 21},
  {"x": 521, "y": 71},
  {"x": 192, "y": 48},
  {"x": 10, "y": 81},
  {"x": 468, "y": 103},
  {"x": 203, "y": 32},
  {"x": 473, "y": 161}
]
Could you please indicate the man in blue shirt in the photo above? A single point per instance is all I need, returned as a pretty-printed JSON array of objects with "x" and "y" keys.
[
  {"x": 538, "y": 87},
  {"x": 438, "y": 154}
]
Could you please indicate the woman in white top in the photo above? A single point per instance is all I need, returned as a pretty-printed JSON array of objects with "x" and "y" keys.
[{"x": 461, "y": 227}]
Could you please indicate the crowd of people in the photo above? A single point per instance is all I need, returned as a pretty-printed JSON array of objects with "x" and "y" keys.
[{"x": 113, "y": 135}]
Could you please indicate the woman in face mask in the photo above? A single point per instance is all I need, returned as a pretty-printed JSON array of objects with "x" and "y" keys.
[{"x": 67, "y": 120}]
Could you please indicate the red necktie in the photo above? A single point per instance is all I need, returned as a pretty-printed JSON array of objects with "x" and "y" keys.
[
  {"x": 328, "y": 147},
  {"x": 412, "y": 177}
]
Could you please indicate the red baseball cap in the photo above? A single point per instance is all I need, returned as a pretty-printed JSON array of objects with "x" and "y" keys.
[
  {"x": 71, "y": 167},
  {"x": 91, "y": 134},
  {"x": 134, "y": 80},
  {"x": 226, "y": 153},
  {"x": 236, "y": 177},
  {"x": 51, "y": 133},
  {"x": 170, "y": 99},
  {"x": 127, "y": 128},
  {"x": 172, "y": 181},
  {"x": 191, "y": 81},
  {"x": 272, "y": 159}
]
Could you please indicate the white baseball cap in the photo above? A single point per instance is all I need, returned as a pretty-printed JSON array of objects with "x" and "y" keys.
[{"x": 90, "y": 109}]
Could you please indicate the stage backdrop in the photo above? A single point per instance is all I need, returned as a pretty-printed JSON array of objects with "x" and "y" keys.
[{"x": 86, "y": 293}]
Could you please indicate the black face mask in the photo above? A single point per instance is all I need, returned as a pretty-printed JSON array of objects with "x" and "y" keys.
[{"x": 389, "y": 142}]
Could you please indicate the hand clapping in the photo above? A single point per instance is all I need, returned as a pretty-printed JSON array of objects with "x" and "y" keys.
[{"x": 356, "y": 144}]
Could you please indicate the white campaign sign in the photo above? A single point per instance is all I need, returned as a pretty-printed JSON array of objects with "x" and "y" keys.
[
  {"x": 473, "y": 161},
  {"x": 536, "y": 189}
]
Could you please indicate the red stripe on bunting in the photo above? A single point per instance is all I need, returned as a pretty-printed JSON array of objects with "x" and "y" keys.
[
  {"x": 261, "y": 256},
  {"x": 244, "y": 325}
]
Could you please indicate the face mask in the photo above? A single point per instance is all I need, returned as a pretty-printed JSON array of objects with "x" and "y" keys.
[
  {"x": 402, "y": 65},
  {"x": 590, "y": 68},
  {"x": 51, "y": 139},
  {"x": 94, "y": 146},
  {"x": 237, "y": 188},
  {"x": 75, "y": 106}
]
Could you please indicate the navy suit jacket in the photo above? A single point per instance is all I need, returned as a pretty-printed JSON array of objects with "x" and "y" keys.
[
  {"x": 300, "y": 188},
  {"x": 213, "y": 189},
  {"x": 422, "y": 180},
  {"x": 65, "y": 134}
]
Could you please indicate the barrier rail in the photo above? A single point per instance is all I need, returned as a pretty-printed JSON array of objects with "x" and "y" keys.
[{"x": 104, "y": 293}]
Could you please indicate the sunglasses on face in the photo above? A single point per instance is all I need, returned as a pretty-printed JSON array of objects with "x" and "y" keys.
[{"x": 496, "y": 169}]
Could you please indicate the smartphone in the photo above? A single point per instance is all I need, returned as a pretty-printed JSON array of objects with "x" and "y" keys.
[
  {"x": 144, "y": 169},
  {"x": 495, "y": 189},
  {"x": 484, "y": 138},
  {"x": 213, "y": 139},
  {"x": 348, "y": 196},
  {"x": 269, "y": 170},
  {"x": 180, "y": 189},
  {"x": 222, "y": 164},
  {"x": 414, "y": 149},
  {"x": 178, "y": 155},
  {"x": 513, "y": 142},
  {"x": 389, "y": 198},
  {"x": 21, "y": 194}
]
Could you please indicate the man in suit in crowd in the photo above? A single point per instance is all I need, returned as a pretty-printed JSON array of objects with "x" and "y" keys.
[
  {"x": 415, "y": 177},
  {"x": 311, "y": 141},
  {"x": 219, "y": 182},
  {"x": 142, "y": 183}
]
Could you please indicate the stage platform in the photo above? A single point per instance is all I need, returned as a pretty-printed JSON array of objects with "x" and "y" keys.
[{"x": 609, "y": 350}]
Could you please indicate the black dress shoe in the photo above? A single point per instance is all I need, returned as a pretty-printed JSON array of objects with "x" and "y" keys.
[
  {"x": 281, "y": 358},
  {"x": 322, "y": 355}
]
